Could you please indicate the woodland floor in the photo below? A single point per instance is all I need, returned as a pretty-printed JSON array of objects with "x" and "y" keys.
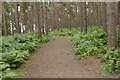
[{"x": 56, "y": 59}]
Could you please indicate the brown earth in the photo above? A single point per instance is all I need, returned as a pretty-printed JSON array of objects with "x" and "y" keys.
[{"x": 56, "y": 60}]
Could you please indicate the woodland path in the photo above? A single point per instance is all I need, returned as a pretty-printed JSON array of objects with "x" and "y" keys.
[{"x": 56, "y": 60}]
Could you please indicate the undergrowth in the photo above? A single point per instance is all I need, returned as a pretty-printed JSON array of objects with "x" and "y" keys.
[
  {"x": 15, "y": 49},
  {"x": 94, "y": 43}
]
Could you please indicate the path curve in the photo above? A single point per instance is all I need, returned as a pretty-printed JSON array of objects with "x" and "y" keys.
[{"x": 56, "y": 60}]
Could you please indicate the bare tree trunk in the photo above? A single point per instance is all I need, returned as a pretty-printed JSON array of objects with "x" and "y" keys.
[
  {"x": 119, "y": 12},
  {"x": 29, "y": 21},
  {"x": 46, "y": 18},
  {"x": 12, "y": 18},
  {"x": 116, "y": 12},
  {"x": 53, "y": 21},
  {"x": 99, "y": 14},
  {"x": 42, "y": 17},
  {"x": 54, "y": 12},
  {"x": 85, "y": 18},
  {"x": 49, "y": 17},
  {"x": 37, "y": 19},
  {"x": 112, "y": 40},
  {"x": 64, "y": 15},
  {"x": 104, "y": 17},
  {"x": 97, "y": 11},
  {"x": 81, "y": 18},
  {"x": 21, "y": 16},
  {"x": 4, "y": 15},
  {"x": 89, "y": 14},
  {"x": 18, "y": 29},
  {"x": 94, "y": 14},
  {"x": 76, "y": 19},
  {"x": 69, "y": 9},
  {"x": 31, "y": 18},
  {"x": 56, "y": 17}
]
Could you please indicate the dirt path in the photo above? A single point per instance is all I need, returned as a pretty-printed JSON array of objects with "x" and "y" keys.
[{"x": 56, "y": 60}]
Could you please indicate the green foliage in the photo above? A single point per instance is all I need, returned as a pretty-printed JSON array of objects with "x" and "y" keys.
[
  {"x": 90, "y": 44},
  {"x": 94, "y": 43},
  {"x": 16, "y": 49},
  {"x": 65, "y": 32},
  {"x": 112, "y": 62},
  {"x": 118, "y": 35}
]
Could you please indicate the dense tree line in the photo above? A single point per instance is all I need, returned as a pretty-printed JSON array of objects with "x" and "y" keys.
[{"x": 23, "y": 17}]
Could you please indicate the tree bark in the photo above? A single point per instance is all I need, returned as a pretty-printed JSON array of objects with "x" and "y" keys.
[
  {"x": 53, "y": 21},
  {"x": 76, "y": 19},
  {"x": 37, "y": 19},
  {"x": 29, "y": 21},
  {"x": 12, "y": 18},
  {"x": 104, "y": 17},
  {"x": 46, "y": 18},
  {"x": 18, "y": 28},
  {"x": 99, "y": 14},
  {"x": 42, "y": 17},
  {"x": 4, "y": 22},
  {"x": 31, "y": 18},
  {"x": 21, "y": 23},
  {"x": 111, "y": 18},
  {"x": 64, "y": 15},
  {"x": 56, "y": 17},
  {"x": 119, "y": 12},
  {"x": 116, "y": 13},
  {"x": 89, "y": 14},
  {"x": 69, "y": 10},
  {"x": 85, "y": 18},
  {"x": 81, "y": 18}
]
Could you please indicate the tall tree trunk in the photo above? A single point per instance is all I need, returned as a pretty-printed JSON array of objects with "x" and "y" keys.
[
  {"x": 54, "y": 12},
  {"x": 104, "y": 17},
  {"x": 42, "y": 17},
  {"x": 76, "y": 19},
  {"x": 85, "y": 18},
  {"x": 4, "y": 15},
  {"x": 29, "y": 21},
  {"x": 89, "y": 14},
  {"x": 69, "y": 9},
  {"x": 116, "y": 13},
  {"x": 21, "y": 23},
  {"x": 64, "y": 15},
  {"x": 81, "y": 18},
  {"x": 46, "y": 18},
  {"x": 111, "y": 18},
  {"x": 119, "y": 12},
  {"x": 31, "y": 18},
  {"x": 49, "y": 17},
  {"x": 94, "y": 14},
  {"x": 12, "y": 18},
  {"x": 18, "y": 29},
  {"x": 37, "y": 19},
  {"x": 67, "y": 19},
  {"x": 53, "y": 21},
  {"x": 56, "y": 17},
  {"x": 97, "y": 11},
  {"x": 99, "y": 14}
]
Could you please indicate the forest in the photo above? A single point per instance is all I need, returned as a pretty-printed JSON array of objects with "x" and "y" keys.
[{"x": 53, "y": 29}]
